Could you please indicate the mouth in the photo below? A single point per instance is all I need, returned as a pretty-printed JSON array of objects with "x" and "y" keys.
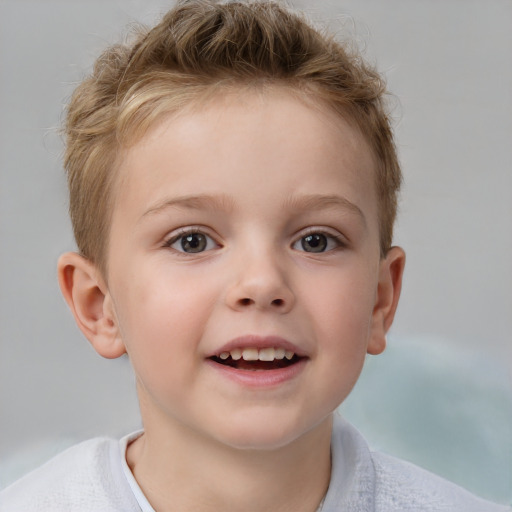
[{"x": 254, "y": 359}]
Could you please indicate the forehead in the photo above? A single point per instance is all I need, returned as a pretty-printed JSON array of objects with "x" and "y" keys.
[{"x": 264, "y": 141}]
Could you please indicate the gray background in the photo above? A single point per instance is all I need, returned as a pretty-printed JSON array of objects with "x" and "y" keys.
[{"x": 441, "y": 395}]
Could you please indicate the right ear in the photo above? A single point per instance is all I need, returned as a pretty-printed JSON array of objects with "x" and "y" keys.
[{"x": 90, "y": 302}]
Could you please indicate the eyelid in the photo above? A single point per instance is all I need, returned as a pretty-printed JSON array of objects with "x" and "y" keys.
[
  {"x": 175, "y": 235},
  {"x": 340, "y": 240}
]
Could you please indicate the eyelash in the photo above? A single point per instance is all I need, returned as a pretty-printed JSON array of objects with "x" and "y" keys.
[
  {"x": 183, "y": 232},
  {"x": 338, "y": 240}
]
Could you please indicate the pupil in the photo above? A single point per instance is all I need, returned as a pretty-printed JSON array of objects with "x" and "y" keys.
[
  {"x": 314, "y": 243},
  {"x": 195, "y": 242}
]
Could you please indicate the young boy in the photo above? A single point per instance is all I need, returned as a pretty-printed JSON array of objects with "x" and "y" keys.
[{"x": 233, "y": 184}]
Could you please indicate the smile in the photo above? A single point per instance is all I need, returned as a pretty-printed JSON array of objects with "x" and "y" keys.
[
  {"x": 251, "y": 358},
  {"x": 259, "y": 360}
]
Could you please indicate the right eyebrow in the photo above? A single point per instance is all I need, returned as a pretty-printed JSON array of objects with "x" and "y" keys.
[{"x": 192, "y": 202}]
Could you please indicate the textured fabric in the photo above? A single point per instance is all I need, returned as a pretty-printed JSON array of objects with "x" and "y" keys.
[
  {"x": 142, "y": 501},
  {"x": 94, "y": 477},
  {"x": 366, "y": 481},
  {"x": 86, "y": 477}
]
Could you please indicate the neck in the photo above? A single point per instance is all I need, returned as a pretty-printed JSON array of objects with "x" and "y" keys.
[{"x": 179, "y": 470}]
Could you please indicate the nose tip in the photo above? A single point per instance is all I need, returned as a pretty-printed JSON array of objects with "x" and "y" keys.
[{"x": 264, "y": 288}]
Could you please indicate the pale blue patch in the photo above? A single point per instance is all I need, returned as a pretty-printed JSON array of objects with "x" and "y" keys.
[{"x": 445, "y": 409}]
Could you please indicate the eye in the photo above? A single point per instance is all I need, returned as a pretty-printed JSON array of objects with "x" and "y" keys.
[
  {"x": 317, "y": 242},
  {"x": 191, "y": 242}
]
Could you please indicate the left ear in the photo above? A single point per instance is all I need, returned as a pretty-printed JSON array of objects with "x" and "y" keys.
[{"x": 388, "y": 292}]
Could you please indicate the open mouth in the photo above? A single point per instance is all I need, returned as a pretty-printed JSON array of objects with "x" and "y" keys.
[{"x": 252, "y": 359}]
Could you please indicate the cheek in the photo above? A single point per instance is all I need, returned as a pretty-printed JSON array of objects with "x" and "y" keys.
[
  {"x": 160, "y": 320},
  {"x": 161, "y": 299},
  {"x": 342, "y": 311},
  {"x": 342, "y": 306}
]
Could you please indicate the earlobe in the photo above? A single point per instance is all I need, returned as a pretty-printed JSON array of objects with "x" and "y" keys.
[
  {"x": 388, "y": 293},
  {"x": 88, "y": 298}
]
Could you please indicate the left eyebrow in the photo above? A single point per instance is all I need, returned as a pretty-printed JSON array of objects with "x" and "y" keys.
[
  {"x": 324, "y": 202},
  {"x": 192, "y": 202}
]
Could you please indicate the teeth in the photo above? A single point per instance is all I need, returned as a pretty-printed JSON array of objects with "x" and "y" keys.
[
  {"x": 279, "y": 353},
  {"x": 236, "y": 354},
  {"x": 266, "y": 354},
  {"x": 253, "y": 354},
  {"x": 250, "y": 354}
]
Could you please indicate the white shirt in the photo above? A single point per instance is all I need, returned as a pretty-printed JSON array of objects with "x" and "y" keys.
[{"x": 94, "y": 476}]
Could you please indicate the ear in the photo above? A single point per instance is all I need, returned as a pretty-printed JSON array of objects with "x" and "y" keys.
[
  {"x": 91, "y": 304},
  {"x": 388, "y": 292}
]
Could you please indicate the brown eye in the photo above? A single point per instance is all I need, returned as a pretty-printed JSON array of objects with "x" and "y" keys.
[
  {"x": 316, "y": 242},
  {"x": 191, "y": 242},
  {"x": 194, "y": 242}
]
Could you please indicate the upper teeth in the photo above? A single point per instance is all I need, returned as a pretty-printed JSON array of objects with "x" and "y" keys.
[{"x": 254, "y": 354}]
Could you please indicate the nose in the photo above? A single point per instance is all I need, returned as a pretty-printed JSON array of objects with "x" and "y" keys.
[{"x": 260, "y": 283}]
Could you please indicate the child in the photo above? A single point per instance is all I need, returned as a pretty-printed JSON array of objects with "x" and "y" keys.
[{"x": 233, "y": 185}]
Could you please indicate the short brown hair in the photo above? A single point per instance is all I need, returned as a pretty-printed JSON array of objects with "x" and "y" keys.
[{"x": 200, "y": 46}]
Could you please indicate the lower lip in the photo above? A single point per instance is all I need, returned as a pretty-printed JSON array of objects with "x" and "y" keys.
[{"x": 260, "y": 378}]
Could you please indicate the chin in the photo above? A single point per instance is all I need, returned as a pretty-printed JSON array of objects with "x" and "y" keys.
[
  {"x": 256, "y": 442},
  {"x": 265, "y": 435}
]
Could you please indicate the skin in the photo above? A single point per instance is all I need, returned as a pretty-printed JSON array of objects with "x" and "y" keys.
[{"x": 254, "y": 174}]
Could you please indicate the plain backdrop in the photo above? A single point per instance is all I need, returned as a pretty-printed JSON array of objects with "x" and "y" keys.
[{"x": 448, "y": 64}]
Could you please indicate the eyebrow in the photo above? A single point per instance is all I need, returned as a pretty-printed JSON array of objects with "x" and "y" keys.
[
  {"x": 199, "y": 202},
  {"x": 324, "y": 202},
  {"x": 224, "y": 203}
]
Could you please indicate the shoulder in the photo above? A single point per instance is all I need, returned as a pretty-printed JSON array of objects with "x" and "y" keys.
[
  {"x": 402, "y": 486},
  {"x": 87, "y": 476},
  {"x": 363, "y": 480}
]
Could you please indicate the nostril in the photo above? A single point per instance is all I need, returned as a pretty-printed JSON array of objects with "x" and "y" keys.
[
  {"x": 277, "y": 302},
  {"x": 246, "y": 302}
]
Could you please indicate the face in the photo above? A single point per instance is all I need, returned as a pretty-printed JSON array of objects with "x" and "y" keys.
[{"x": 244, "y": 267}]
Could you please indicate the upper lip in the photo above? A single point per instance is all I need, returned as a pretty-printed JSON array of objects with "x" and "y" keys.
[{"x": 255, "y": 341}]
